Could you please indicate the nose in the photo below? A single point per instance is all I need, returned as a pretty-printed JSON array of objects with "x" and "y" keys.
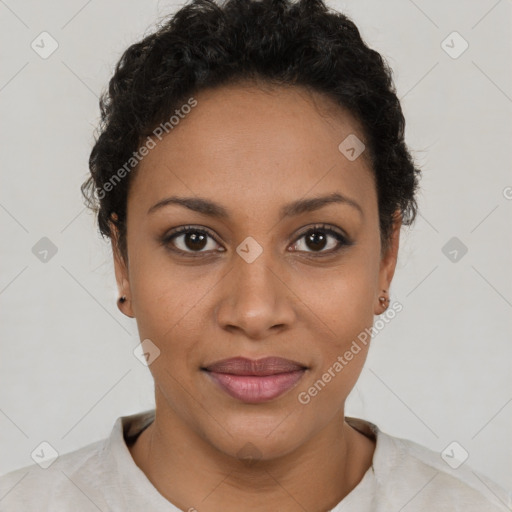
[{"x": 256, "y": 299}]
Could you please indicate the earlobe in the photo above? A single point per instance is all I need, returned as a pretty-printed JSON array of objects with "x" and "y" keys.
[
  {"x": 121, "y": 272},
  {"x": 388, "y": 265},
  {"x": 123, "y": 302},
  {"x": 120, "y": 303},
  {"x": 383, "y": 303}
]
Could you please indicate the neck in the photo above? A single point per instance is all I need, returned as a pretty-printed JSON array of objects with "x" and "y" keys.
[{"x": 194, "y": 475}]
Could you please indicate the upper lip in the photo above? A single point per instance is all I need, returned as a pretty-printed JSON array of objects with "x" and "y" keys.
[{"x": 257, "y": 367}]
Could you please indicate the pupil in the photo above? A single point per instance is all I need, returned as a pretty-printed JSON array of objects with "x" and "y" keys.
[
  {"x": 195, "y": 241},
  {"x": 316, "y": 238}
]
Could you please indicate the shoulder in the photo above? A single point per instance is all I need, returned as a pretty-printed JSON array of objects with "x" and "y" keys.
[
  {"x": 69, "y": 480},
  {"x": 99, "y": 476},
  {"x": 420, "y": 478}
]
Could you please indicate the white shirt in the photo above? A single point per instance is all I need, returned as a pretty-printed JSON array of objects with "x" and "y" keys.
[{"x": 103, "y": 476}]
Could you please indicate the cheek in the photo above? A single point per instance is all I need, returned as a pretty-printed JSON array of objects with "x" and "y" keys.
[
  {"x": 170, "y": 306},
  {"x": 346, "y": 316},
  {"x": 341, "y": 311},
  {"x": 342, "y": 298},
  {"x": 343, "y": 314},
  {"x": 165, "y": 294}
]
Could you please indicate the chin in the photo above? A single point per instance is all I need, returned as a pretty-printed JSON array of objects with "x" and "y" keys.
[{"x": 254, "y": 438}]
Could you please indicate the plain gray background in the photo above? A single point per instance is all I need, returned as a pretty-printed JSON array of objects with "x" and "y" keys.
[{"x": 439, "y": 372}]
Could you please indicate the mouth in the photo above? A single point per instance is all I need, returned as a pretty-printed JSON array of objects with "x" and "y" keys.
[{"x": 255, "y": 381}]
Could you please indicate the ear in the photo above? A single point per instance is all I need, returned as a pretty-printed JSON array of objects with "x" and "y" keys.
[
  {"x": 121, "y": 272},
  {"x": 388, "y": 262}
]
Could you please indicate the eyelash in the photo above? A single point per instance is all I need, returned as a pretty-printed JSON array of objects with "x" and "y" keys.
[{"x": 343, "y": 241}]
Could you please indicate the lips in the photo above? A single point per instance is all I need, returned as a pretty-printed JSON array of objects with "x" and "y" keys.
[
  {"x": 258, "y": 367},
  {"x": 255, "y": 381}
]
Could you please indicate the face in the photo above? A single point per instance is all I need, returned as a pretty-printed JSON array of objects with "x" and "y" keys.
[{"x": 266, "y": 272}]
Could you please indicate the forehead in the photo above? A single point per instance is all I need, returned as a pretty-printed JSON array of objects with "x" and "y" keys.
[{"x": 248, "y": 146}]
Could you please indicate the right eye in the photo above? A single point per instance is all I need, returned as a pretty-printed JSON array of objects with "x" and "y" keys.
[{"x": 189, "y": 240}]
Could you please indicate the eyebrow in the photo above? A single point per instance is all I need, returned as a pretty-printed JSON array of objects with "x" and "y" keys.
[{"x": 212, "y": 209}]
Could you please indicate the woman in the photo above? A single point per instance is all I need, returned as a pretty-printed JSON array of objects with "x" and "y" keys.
[{"x": 253, "y": 178}]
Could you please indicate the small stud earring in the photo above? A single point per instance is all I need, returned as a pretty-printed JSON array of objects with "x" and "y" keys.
[
  {"x": 383, "y": 299},
  {"x": 122, "y": 299}
]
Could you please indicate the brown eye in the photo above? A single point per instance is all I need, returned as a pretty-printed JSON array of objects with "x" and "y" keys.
[
  {"x": 190, "y": 240},
  {"x": 195, "y": 241},
  {"x": 316, "y": 240},
  {"x": 319, "y": 238}
]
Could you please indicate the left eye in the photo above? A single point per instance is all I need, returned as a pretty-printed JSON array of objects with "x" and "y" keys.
[{"x": 318, "y": 239}]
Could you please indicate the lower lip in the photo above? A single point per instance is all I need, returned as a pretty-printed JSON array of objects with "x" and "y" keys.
[{"x": 253, "y": 389}]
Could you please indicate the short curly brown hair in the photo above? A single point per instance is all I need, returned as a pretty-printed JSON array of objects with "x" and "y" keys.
[{"x": 280, "y": 42}]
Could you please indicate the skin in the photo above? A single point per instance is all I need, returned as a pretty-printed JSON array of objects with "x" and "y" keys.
[{"x": 254, "y": 150}]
